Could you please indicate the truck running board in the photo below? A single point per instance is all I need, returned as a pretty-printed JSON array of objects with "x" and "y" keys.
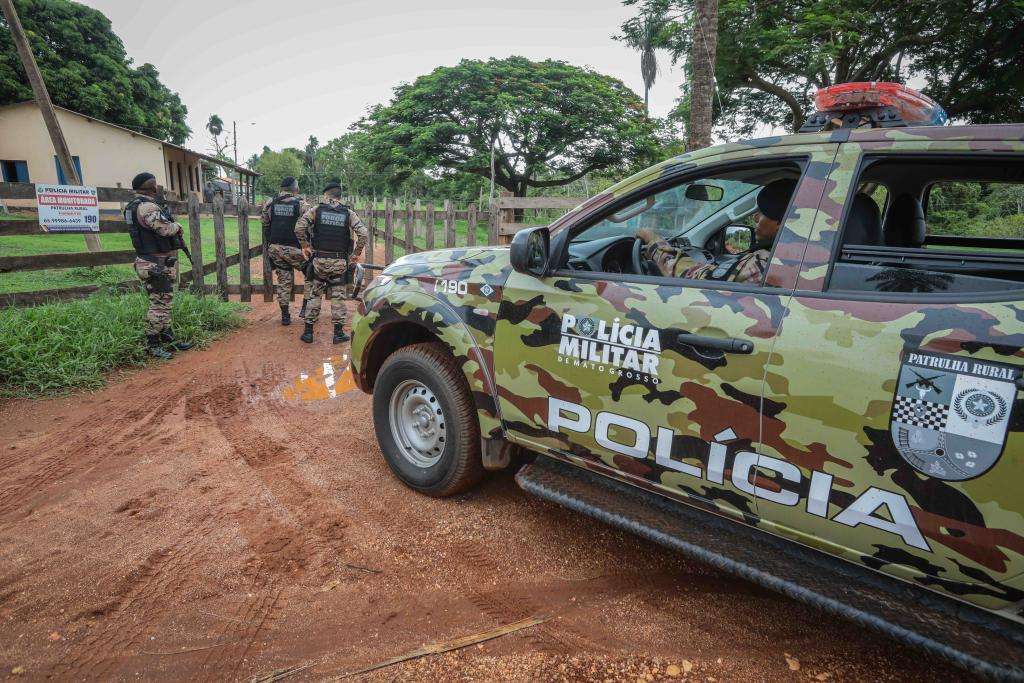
[{"x": 983, "y": 643}]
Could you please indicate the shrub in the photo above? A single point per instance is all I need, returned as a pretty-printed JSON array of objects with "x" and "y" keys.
[{"x": 54, "y": 348}]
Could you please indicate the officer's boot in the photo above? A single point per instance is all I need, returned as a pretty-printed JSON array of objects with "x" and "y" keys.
[
  {"x": 167, "y": 337},
  {"x": 154, "y": 348},
  {"x": 307, "y": 334},
  {"x": 302, "y": 311},
  {"x": 286, "y": 316},
  {"x": 339, "y": 334}
]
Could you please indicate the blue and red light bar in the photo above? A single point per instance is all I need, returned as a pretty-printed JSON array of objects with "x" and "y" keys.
[{"x": 877, "y": 103}]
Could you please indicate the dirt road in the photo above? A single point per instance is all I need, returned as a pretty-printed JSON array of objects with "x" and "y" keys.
[{"x": 219, "y": 517}]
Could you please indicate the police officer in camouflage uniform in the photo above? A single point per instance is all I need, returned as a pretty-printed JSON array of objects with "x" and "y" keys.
[
  {"x": 156, "y": 238},
  {"x": 279, "y": 216},
  {"x": 772, "y": 201},
  {"x": 334, "y": 237}
]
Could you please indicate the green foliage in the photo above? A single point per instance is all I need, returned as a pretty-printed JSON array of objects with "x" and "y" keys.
[
  {"x": 539, "y": 116},
  {"x": 275, "y": 166},
  {"x": 976, "y": 209},
  {"x": 58, "y": 347},
  {"x": 773, "y": 55},
  {"x": 86, "y": 69}
]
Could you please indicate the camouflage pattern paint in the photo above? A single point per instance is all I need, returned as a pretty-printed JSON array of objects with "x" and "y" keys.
[{"x": 815, "y": 395}]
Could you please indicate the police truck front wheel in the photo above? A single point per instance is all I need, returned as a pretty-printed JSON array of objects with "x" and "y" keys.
[{"x": 426, "y": 422}]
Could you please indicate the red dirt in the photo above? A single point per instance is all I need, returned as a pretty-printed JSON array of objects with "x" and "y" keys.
[{"x": 189, "y": 522}]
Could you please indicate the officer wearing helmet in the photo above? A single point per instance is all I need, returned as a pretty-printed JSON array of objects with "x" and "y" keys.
[
  {"x": 279, "y": 216},
  {"x": 334, "y": 237},
  {"x": 156, "y": 238},
  {"x": 672, "y": 261}
]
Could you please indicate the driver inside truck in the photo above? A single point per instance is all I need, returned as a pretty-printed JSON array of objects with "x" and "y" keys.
[{"x": 672, "y": 261}]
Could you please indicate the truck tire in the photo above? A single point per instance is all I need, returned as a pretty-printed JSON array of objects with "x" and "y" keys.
[{"x": 426, "y": 421}]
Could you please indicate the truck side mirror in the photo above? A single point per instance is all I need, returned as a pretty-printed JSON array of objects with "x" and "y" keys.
[{"x": 529, "y": 251}]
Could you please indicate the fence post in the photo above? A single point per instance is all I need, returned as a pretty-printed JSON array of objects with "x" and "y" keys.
[
  {"x": 449, "y": 224},
  {"x": 493, "y": 222},
  {"x": 471, "y": 224},
  {"x": 371, "y": 227},
  {"x": 220, "y": 249},
  {"x": 429, "y": 237},
  {"x": 195, "y": 239},
  {"x": 417, "y": 222},
  {"x": 410, "y": 227},
  {"x": 268, "y": 271},
  {"x": 507, "y": 216},
  {"x": 389, "y": 230},
  {"x": 244, "y": 270}
]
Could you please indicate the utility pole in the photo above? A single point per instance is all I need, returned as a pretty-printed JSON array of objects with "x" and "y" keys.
[
  {"x": 42, "y": 95},
  {"x": 704, "y": 47}
]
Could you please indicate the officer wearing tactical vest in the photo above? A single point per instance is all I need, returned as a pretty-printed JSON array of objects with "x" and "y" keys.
[
  {"x": 334, "y": 237},
  {"x": 156, "y": 238},
  {"x": 279, "y": 216}
]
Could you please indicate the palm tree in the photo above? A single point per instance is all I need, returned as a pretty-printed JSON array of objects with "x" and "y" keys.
[
  {"x": 215, "y": 126},
  {"x": 644, "y": 38},
  {"x": 648, "y": 61}
]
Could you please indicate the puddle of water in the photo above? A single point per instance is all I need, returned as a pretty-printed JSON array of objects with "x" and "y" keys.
[{"x": 332, "y": 378}]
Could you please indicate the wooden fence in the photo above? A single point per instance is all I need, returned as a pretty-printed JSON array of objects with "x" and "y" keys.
[{"x": 400, "y": 227}]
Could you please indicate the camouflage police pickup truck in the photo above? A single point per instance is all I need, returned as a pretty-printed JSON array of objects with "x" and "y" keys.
[{"x": 850, "y": 413}]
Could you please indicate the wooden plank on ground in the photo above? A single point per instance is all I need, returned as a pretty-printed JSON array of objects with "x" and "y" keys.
[
  {"x": 219, "y": 247},
  {"x": 11, "y": 264},
  {"x": 244, "y": 265}
]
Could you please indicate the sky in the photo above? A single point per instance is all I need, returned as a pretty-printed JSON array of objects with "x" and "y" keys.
[{"x": 288, "y": 70}]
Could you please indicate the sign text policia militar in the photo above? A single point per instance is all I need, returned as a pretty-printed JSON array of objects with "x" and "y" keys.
[{"x": 616, "y": 347}]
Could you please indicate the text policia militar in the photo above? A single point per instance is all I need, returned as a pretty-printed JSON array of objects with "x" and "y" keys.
[
  {"x": 615, "y": 348},
  {"x": 573, "y": 417}
]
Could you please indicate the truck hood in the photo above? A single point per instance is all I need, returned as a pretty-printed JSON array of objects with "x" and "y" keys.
[{"x": 452, "y": 263}]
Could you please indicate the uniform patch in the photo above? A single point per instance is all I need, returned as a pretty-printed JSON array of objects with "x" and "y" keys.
[{"x": 950, "y": 414}]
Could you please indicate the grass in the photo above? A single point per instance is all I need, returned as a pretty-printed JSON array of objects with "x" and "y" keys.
[
  {"x": 54, "y": 348},
  {"x": 30, "y": 245},
  {"x": 34, "y": 280}
]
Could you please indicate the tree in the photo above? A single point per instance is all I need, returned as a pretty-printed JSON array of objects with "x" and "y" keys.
[
  {"x": 645, "y": 41},
  {"x": 215, "y": 126},
  {"x": 546, "y": 116},
  {"x": 276, "y": 166},
  {"x": 776, "y": 53},
  {"x": 87, "y": 70},
  {"x": 704, "y": 41}
]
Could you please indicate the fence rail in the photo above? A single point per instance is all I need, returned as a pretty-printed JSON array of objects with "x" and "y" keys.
[{"x": 398, "y": 226}]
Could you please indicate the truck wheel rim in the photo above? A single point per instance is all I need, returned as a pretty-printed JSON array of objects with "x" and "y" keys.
[{"x": 418, "y": 424}]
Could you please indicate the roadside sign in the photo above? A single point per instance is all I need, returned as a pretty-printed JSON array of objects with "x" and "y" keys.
[{"x": 68, "y": 208}]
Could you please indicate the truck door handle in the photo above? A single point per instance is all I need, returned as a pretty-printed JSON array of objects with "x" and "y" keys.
[{"x": 729, "y": 344}]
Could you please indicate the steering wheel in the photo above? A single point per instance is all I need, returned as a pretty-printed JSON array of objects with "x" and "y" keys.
[{"x": 639, "y": 262}]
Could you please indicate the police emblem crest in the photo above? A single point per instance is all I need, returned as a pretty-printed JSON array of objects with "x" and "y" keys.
[{"x": 950, "y": 414}]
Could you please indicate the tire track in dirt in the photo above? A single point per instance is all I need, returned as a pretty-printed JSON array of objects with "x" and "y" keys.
[
  {"x": 78, "y": 453},
  {"x": 290, "y": 525}
]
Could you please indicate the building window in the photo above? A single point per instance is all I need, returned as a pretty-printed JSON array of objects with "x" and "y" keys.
[
  {"x": 14, "y": 171},
  {"x": 61, "y": 180},
  {"x": 170, "y": 174}
]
